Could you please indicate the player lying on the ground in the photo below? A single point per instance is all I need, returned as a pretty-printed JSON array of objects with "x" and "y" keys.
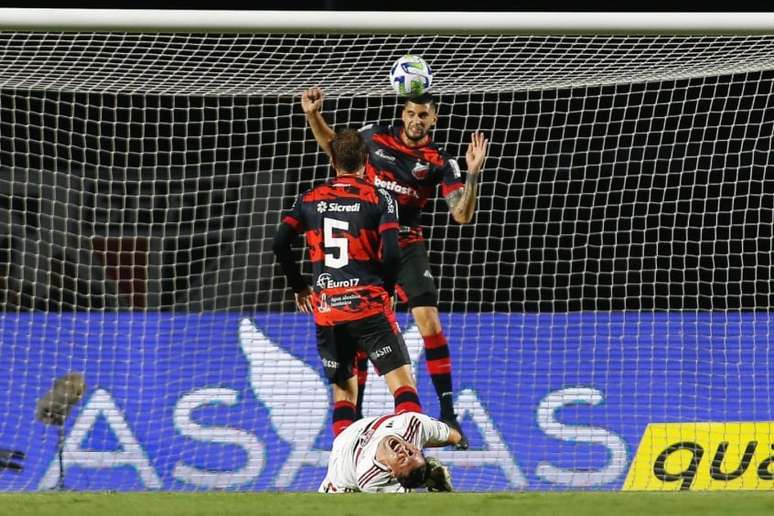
[{"x": 384, "y": 455}]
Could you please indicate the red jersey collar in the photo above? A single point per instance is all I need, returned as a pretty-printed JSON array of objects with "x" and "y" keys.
[{"x": 347, "y": 178}]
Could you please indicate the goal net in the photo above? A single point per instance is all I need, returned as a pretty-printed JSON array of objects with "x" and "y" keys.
[{"x": 607, "y": 309}]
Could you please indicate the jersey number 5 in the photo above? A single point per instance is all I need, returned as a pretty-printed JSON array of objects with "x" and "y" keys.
[{"x": 341, "y": 258}]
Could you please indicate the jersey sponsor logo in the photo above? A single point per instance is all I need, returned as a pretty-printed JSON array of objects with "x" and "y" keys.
[
  {"x": 383, "y": 154},
  {"x": 455, "y": 168},
  {"x": 420, "y": 170},
  {"x": 381, "y": 352},
  {"x": 324, "y": 206},
  {"x": 388, "y": 200},
  {"x": 344, "y": 300},
  {"x": 703, "y": 456},
  {"x": 330, "y": 364},
  {"x": 394, "y": 186},
  {"x": 325, "y": 280}
]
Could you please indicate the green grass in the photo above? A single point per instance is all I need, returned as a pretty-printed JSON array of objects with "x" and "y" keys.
[{"x": 457, "y": 504}]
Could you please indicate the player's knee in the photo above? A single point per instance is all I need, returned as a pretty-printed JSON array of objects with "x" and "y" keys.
[
  {"x": 345, "y": 390},
  {"x": 398, "y": 377},
  {"x": 427, "y": 319}
]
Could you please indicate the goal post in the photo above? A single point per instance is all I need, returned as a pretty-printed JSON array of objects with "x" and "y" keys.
[
  {"x": 607, "y": 309},
  {"x": 385, "y": 22}
]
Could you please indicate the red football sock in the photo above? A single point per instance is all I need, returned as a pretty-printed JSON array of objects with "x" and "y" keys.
[
  {"x": 407, "y": 400},
  {"x": 343, "y": 416}
]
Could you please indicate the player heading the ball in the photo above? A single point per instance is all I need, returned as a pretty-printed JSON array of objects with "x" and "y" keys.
[{"x": 403, "y": 160}]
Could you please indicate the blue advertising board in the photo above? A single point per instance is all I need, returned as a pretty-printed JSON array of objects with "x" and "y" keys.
[{"x": 229, "y": 401}]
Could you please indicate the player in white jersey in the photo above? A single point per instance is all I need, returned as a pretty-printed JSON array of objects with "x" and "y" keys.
[{"x": 384, "y": 455}]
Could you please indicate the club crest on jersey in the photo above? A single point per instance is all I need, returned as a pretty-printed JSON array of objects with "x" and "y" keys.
[
  {"x": 420, "y": 170},
  {"x": 365, "y": 437}
]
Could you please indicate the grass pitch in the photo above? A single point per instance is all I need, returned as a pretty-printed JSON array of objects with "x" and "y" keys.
[{"x": 456, "y": 504}]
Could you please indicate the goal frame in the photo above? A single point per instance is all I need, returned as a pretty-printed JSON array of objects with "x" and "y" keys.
[
  {"x": 584, "y": 327},
  {"x": 382, "y": 22}
]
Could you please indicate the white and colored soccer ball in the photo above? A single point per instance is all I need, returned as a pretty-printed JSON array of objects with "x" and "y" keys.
[{"x": 411, "y": 75}]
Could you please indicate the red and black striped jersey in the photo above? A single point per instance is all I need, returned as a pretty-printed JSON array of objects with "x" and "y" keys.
[
  {"x": 342, "y": 220},
  {"x": 410, "y": 174}
]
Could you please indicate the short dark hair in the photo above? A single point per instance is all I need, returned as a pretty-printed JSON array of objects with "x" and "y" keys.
[
  {"x": 416, "y": 478},
  {"x": 348, "y": 150},
  {"x": 424, "y": 98}
]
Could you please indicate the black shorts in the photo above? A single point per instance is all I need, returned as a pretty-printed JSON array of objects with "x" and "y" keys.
[
  {"x": 375, "y": 335},
  {"x": 415, "y": 278}
]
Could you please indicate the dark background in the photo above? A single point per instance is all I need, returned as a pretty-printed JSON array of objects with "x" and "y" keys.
[{"x": 622, "y": 197}]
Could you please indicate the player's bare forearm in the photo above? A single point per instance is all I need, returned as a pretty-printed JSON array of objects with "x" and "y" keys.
[
  {"x": 311, "y": 103},
  {"x": 462, "y": 203},
  {"x": 454, "y": 438},
  {"x": 321, "y": 131}
]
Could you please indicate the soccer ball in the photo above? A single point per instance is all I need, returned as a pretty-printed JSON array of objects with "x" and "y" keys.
[{"x": 411, "y": 75}]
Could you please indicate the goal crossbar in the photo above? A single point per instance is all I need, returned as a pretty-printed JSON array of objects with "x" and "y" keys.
[
  {"x": 229, "y": 21},
  {"x": 607, "y": 313}
]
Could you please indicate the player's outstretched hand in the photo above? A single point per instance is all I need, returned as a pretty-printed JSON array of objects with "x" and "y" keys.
[
  {"x": 304, "y": 301},
  {"x": 476, "y": 153},
  {"x": 439, "y": 479},
  {"x": 311, "y": 100}
]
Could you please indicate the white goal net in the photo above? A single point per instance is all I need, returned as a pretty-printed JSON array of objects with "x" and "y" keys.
[{"x": 606, "y": 310}]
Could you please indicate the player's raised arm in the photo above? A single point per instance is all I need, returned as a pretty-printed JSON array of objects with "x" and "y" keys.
[
  {"x": 311, "y": 103},
  {"x": 462, "y": 203}
]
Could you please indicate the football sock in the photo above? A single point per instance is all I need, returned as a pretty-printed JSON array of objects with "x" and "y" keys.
[
  {"x": 407, "y": 400},
  {"x": 439, "y": 366},
  {"x": 343, "y": 416}
]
